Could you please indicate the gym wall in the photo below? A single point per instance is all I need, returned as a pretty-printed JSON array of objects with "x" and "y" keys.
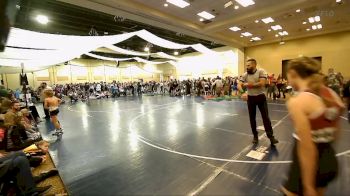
[
  {"x": 85, "y": 70},
  {"x": 333, "y": 48}
]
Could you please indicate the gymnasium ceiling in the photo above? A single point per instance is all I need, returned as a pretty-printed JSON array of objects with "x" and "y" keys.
[
  {"x": 334, "y": 16},
  {"x": 75, "y": 20},
  {"x": 183, "y": 25}
]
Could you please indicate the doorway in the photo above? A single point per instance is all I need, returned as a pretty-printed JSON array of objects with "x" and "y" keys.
[{"x": 285, "y": 63}]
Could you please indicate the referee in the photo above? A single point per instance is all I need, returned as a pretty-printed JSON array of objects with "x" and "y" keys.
[
  {"x": 254, "y": 81},
  {"x": 346, "y": 95}
]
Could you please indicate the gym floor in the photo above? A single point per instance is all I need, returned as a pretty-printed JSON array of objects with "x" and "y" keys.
[{"x": 176, "y": 146}]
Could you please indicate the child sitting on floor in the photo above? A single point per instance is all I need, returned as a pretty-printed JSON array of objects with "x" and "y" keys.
[
  {"x": 37, "y": 152},
  {"x": 41, "y": 147}
]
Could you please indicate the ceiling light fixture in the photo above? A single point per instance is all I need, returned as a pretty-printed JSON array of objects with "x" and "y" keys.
[
  {"x": 236, "y": 7},
  {"x": 268, "y": 30},
  {"x": 42, "y": 19},
  {"x": 228, "y": 4},
  {"x": 247, "y": 34},
  {"x": 166, "y": 5},
  {"x": 176, "y": 53},
  {"x": 317, "y": 18},
  {"x": 297, "y": 11},
  {"x": 267, "y": 20},
  {"x": 235, "y": 28},
  {"x": 146, "y": 49},
  {"x": 283, "y": 33},
  {"x": 206, "y": 15},
  {"x": 315, "y": 27},
  {"x": 304, "y": 22},
  {"x": 241, "y": 36},
  {"x": 256, "y": 21},
  {"x": 311, "y": 20},
  {"x": 201, "y": 19},
  {"x": 245, "y": 3},
  {"x": 338, "y": 1},
  {"x": 256, "y": 38},
  {"x": 276, "y": 35},
  {"x": 179, "y": 3},
  {"x": 276, "y": 27},
  {"x": 307, "y": 29}
]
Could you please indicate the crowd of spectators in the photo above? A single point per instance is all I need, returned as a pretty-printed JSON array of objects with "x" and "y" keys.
[
  {"x": 276, "y": 88},
  {"x": 197, "y": 87},
  {"x": 22, "y": 148},
  {"x": 97, "y": 90},
  {"x": 19, "y": 133}
]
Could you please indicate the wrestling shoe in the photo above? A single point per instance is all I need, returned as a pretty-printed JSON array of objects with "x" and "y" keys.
[
  {"x": 255, "y": 140},
  {"x": 58, "y": 132}
]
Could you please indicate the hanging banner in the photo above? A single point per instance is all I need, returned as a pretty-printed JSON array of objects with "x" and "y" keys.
[
  {"x": 35, "y": 49},
  {"x": 138, "y": 59},
  {"x": 134, "y": 53}
]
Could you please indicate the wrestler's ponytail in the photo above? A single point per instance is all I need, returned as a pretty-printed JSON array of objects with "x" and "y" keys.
[
  {"x": 316, "y": 82},
  {"x": 309, "y": 68}
]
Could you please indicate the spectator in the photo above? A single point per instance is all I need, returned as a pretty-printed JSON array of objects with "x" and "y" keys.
[
  {"x": 37, "y": 153},
  {"x": 5, "y": 105},
  {"x": 218, "y": 86},
  {"x": 346, "y": 94},
  {"x": 235, "y": 86},
  {"x": 3, "y": 91},
  {"x": 98, "y": 88},
  {"x": 17, "y": 137},
  {"x": 340, "y": 78},
  {"x": 15, "y": 167},
  {"x": 279, "y": 85},
  {"x": 17, "y": 93},
  {"x": 41, "y": 91},
  {"x": 333, "y": 81},
  {"x": 31, "y": 131},
  {"x": 271, "y": 91},
  {"x": 12, "y": 117},
  {"x": 284, "y": 87}
]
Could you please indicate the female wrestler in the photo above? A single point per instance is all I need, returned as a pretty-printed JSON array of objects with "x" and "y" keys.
[{"x": 315, "y": 112}]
